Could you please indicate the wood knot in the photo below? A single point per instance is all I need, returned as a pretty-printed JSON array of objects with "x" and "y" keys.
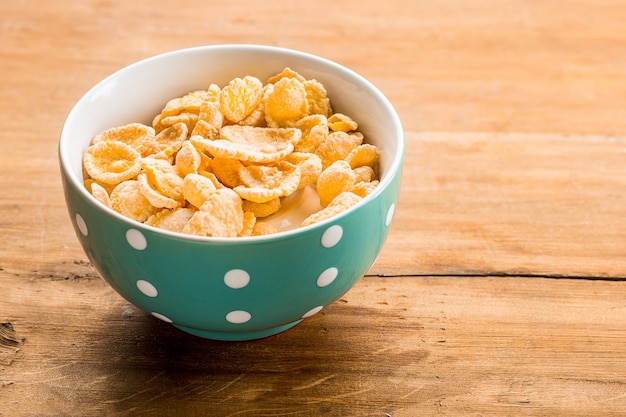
[
  {"x": 8, "y": 336},
  {"x": 9, "y": 343}
]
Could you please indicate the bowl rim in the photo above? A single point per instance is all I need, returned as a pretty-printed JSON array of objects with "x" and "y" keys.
[{"x": 395, "y": 166}]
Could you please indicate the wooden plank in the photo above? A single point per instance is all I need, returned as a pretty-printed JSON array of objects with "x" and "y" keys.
[
  {"x": 520, "y": 66},
  {"x": 510, "y": 204},
  {"x": 391, "y": 346},
  {"x": 448, "y": 75},
  {"x": 471, "y": 204}
]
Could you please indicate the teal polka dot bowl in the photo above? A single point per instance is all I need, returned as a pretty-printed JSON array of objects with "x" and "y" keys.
[{"x": 230, "y": 288}]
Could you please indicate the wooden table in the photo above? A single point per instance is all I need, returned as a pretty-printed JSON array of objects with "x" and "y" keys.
[{"x": 500, "y": 290}]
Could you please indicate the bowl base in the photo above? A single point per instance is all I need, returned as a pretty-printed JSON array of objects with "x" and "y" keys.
[{"x": 236, "y": 336}]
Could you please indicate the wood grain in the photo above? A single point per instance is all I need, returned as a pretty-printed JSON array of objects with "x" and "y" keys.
[
  {"x": 403, "y": 347},
  {"x": 499, "y": 292},
  {"x": 510, "y": 204}
]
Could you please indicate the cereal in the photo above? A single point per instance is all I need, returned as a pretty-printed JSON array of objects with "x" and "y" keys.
[
  {"x": 287, "y": 103},
  {"x": 127, "y": 199},
  {"x": 334, "y": 180},
  {"x": 140, "y": 137},
  {"x": 337, "y": 146},
  {"x": 101, "y": 194},
  {"x": 281, "y": 175},
  {"x": 240, "y": 97},
  {"x": 189, "y": 103},
  {"x": 254, "y": 144},
  {"x": 163, "y": 178},
  {"x": 364, "y": 173},
  {"x": 211, "y": 176},
  {"x": 153, "y": 196},
  {"x": 188, "y": 160},
  {"x": 210, "y": 113},
  {"x": 221, "y": 215},
  {"x": 197, "y": 188},
  {"x": 258, "y": 194},
  {"x": 111, "y": 162},
  {"x": 213, "y": 162},
  {"x": 286, "y": 73},
  {"x": 188, "y": 119},
  {"x": 363, "y": 155},
  {"x": 205, "y": 130},
  {"x": 257, "y": 117},
  {"x": 310, "y": 166},
  {"x": 339, "y": 122},
  {"x": 264, "y": 209},
  {"x": 263, "y": 228},
  {"x": 172, "y": 220},
  {"x": 226, "y": 170},
  {"x": 340, "y": 203},
  {"x": 314, "y": 131},
  {"x": 170, "y": 140},
  {"x": 364, "y": 188},
  {"x": 317, "y": 98},
  {"x": 249, "y": 221}
]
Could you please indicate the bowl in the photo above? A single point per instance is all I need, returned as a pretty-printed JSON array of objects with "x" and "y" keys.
[{"x": 229, "y": 288}]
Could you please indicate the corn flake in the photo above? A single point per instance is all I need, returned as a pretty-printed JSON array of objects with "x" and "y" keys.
[
  {"x": 314, "y": 132},
  {"x": 253, "y": 144},
  {"x": 249, "y": 221},
  {"x": 173, "y": 220},
  {"x": 190, "y": 102},
  {"x": 257, "y": 117},
  {"x": 364, "y": 173},
  {"x": 262, "y": 209},
  {"x": 364, "y": 188},
  {"x": 363, "y": 155},
  {"x": 258, "y": 194},
  {"x": 153, "y": 196},
  {"x": 286, "y": 73},
  {"x": 127, "y": 199},
  {"x": 340, "y": 203},
  {"x": 163, "y": 178},
  {"x": 100, "y": 193},
  {"x": 287, "y": 103},
  {"x": 170, "y": 140},
  {"x": 334, "y": 180},
  {"x": 215, "y": 161},
  {"x": 227, "y": 170},
  {"x": 317, "y": 97},
  {"x": 187, "y": 160},
  {"x": 197, "y": 188},
  {"x": 310, "y": 166},
  {"x": 240, "y": 97},
  {"x": 139, "y": 136},
  {"x": 339, "y": 122},
  {"x": 221, "y": 215},
  {"x": 263, "y": 228},
  {"x": 186, "y": 118},
  {"x": 210, "y": 112},
  {"x": 111, "y": 162},
  {"x": 337, "y": 146}
]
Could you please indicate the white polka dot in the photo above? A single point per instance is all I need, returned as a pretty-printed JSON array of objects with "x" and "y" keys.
[
  {"x": 238, "y": 317},
  {"x": 146, "y": 288},
  {"x": 390, "y": 214},
  {"x": 236, "y": 278},
  {"x": 327, "y": 277},
  {"x": 82, "y": 226},
  {"x": 312, "y": 312},
  {"x": 136, "y": 239},
  {"x": 332, "y": 236},
  {"x": 161, "y": 317}
]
